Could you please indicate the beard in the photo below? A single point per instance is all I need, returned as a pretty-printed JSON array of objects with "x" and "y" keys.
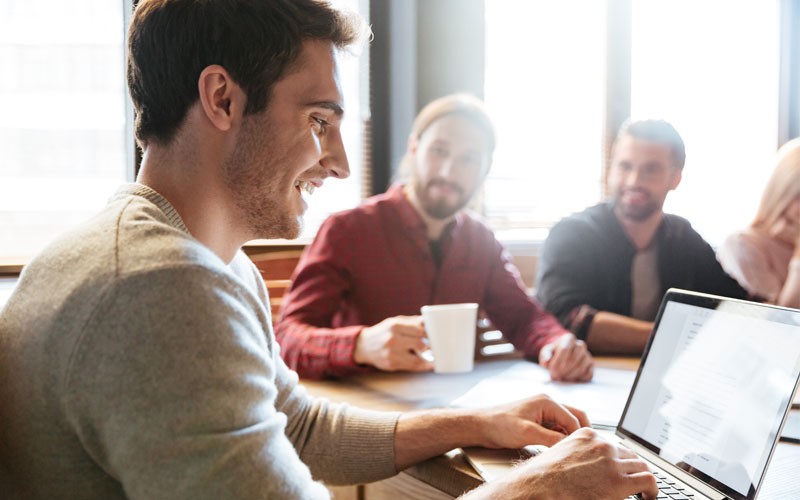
[
  {"x": 255, "y": 178},
  {"x": 439, "y": 208},
  {"x": 637, "y": 213}
]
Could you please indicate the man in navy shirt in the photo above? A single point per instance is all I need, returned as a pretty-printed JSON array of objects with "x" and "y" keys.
[{"x": 603, "y": 271}]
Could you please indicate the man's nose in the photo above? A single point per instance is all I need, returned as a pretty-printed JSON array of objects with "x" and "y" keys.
[
  {"x": 334, "y": 158},
  {"x": 633, "y": 177},
  {"x": 447, "y": 168}
]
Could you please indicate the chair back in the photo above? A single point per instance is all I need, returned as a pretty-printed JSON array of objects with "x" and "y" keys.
[{"x": 276, "y": 268}]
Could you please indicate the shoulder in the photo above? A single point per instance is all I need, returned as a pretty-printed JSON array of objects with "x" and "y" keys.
[
  {"x": 680, "y": 230},
  {"x": 737, "y": 239},
  {"x": 191, "y": 288},
  {"x": 155, "y": 266},
  {"x": 378, "y": 215},
  {"x": 743, "y": 244},
  {"x": 475, "y": 224},
  {"x": 186, "y": 308},
  {"x": 371, "y": 211},
  {"x": 473, "y": 230},
  {"x": 590, "y": 221},
  {"x": 130, "y": 236}
]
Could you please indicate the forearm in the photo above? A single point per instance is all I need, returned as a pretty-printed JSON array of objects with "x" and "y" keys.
[
  {"x": 615, "y": 334},
  {"x": 315, "y": 352},
  {"x": 522, "y": 318},
  {"x": 422, "y": 435},
  {"x": 348, "y": 445},
  {"x": 531, "y": 486},
  {"x": 540, "y": 330}
]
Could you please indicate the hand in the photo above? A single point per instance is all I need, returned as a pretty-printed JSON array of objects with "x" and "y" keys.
[
  {"x": 787, "y": 227},
  {"x": 537, "y": 420},
  {"x": 393, "y": 344},
  {"x": 568, "y": 359},
  {"x": 581, "y": 467}
]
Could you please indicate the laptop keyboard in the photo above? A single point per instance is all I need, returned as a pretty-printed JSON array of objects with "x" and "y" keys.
[{"x": 670, "y": 489}]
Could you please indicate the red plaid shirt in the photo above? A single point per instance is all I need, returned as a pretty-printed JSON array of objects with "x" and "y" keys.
[{"x": 374, "y": 262}]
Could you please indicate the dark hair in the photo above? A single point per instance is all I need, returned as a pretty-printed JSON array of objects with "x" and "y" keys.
[
  {"x": 170, "y": 42},
  {"x": 658, "y": 131}
]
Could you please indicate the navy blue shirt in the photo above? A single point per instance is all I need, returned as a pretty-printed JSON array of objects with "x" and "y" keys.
[{"x": 587, "y": 257}]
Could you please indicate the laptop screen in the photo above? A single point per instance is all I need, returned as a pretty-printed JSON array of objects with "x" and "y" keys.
[{"x": 713, "y": 388}]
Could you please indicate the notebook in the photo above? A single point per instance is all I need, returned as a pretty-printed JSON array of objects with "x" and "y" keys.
[
  {"x": 711, "y": 395},
  {"x": 791, "y": 429}
]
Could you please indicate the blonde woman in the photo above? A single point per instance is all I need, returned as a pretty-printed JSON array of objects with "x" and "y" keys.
[{"x": 765, "y": 257}]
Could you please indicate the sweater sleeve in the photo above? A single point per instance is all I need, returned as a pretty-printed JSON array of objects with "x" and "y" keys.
[
  {"x": 310, "y": 344},
  {"x": 174, "y": 390}
]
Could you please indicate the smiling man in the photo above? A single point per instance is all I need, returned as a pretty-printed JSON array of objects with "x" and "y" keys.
[
  {"x": 356, "y": 295},
  {"x": 137, "y": 359},
  {"x": 603, "y": 271}
]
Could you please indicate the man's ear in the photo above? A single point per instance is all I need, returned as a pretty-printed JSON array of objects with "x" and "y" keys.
[
  {"x": 223, "y": 101},
  {"x": 485, "y": 172},
  {"x": 676, "y": 179}
]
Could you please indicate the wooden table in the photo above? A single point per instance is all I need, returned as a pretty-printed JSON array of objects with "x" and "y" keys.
[
  {"x": 449, "y": 475},
  {"x": 442, "y": 477}
]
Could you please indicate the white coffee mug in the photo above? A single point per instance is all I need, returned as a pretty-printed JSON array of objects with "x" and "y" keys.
[{"x": 451, "y": 333}]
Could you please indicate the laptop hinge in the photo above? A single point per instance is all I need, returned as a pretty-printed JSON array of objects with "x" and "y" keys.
[{"x": 678, "y": 473}]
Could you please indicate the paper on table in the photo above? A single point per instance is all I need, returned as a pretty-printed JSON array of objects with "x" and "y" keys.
[
  {"x": 781, "y": 481},
  {"x": 603, "y": 399}
]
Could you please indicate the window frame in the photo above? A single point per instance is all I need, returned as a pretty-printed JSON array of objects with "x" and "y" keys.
[{"x": 618, "y": 92}]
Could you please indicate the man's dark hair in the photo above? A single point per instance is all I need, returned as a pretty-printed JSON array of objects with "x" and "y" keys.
[
  {"x": 658, "y": 131},
  {"x": 170, "y": 42}
]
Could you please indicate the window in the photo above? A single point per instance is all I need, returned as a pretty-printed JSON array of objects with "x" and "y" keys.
[
  {"x": 66, "y": 136},
  {"x": 63, "y": 126},
  {"x": 720, "y": 90},
  {"x": 689, "y": 64},
  {"x": 544, "y": 87}
]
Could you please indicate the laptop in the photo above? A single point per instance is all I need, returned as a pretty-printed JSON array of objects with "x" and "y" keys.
[{"x": 711, "y": 396}]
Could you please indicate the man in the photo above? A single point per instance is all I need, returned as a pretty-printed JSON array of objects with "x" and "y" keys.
[
  {"x": 356, "y": 295},
  {"x": 603, "y": 271},
  {"x": 136, "y": 354}
]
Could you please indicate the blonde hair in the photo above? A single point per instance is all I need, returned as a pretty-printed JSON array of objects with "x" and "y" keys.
[
  {"x": 465, "y": 105},
  {"x": 782, "y": 188}
]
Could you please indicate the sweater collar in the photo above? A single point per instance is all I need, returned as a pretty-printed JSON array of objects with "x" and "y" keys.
[{"x": 151, "y": 195}]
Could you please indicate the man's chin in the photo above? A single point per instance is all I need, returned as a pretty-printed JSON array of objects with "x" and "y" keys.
[
  {"x": 440, "y": 212},
  {"x": 637, "y": 214},
  {"x": 442, "y": 209},
  {"x": 293, "y": 230},
  {"x": 287, "y": 229}
]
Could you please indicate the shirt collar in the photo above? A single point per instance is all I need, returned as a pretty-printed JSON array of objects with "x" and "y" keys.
[
  {"x": 665, "y": 230},
  {"x": 413, "y": 220}
]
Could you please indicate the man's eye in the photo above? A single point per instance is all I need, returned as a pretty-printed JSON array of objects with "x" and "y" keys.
[
  {"x": 472, "y": 160},
  {"x": 319, "y": 125},
  {"x": 652, "y": 169}
]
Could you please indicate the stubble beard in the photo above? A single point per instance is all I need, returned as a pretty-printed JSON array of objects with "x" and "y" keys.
[
  {"x": 633, "y": 213},
  {"x": 437, "y": 209},
  {"x": 255, "y": 182}
]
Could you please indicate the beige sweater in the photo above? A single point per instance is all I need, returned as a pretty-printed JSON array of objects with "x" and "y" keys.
[{"x": 135, "y": 364}]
